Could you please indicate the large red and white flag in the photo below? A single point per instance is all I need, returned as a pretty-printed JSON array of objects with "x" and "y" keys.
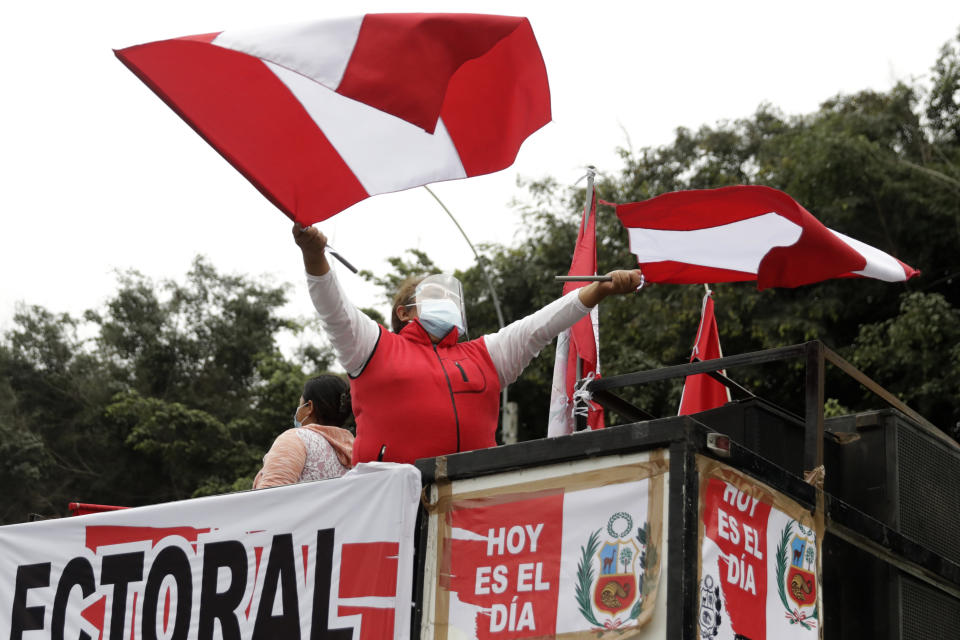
[
  {"x": 701, "y": 392},
  {"x": 581, "y": 341},
  {"x": 319, "y": 116},
  {"x": 745, "y": 233}
]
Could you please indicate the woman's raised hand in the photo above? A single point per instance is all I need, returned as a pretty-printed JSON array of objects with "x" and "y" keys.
[{"x": 312, "y": 244}]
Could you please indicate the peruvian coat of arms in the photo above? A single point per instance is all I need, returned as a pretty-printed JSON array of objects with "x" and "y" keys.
[
  {"x": 610, "y": 576},
  {"x": 797, "y": 574}
]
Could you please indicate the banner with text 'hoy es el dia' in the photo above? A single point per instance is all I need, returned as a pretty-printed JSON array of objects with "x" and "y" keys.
[
  {"x": 530, "y": 555},
  {"x": 759, "y": 560},
  {"x": 331, "y": 559}
]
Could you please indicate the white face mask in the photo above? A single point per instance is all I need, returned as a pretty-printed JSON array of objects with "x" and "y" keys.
[
  {"x": 296, "y": 421},
  {"x": 439, "y": 301},
  {"x": 438, "y": 317}
]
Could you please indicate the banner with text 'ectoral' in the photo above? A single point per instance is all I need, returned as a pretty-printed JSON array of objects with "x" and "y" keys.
[{"x": 331, "y": 559}]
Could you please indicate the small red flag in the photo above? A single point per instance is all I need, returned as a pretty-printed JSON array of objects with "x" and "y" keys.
[
  {"x": 580, "y": 341},
  {"x": 701, "y": 392}
]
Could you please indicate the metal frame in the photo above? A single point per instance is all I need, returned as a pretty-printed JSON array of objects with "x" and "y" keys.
[
  {"x": 682, "y": 550},
  {"x": 815, "y": 355}
]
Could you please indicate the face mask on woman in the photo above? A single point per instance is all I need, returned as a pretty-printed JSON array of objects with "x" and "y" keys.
[
  {"x": 438, "y": 317},
  {"x": 296, "y": 420}
]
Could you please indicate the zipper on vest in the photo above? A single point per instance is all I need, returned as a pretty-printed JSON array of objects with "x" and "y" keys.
[
  {"x": 462, "y": 372},
  {"x": 453, "y": 401}
]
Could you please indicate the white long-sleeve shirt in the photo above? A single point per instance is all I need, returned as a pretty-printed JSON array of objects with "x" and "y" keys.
[{"x": 353, "y": 334}]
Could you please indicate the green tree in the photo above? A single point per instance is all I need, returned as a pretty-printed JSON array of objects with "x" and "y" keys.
[
  {"x": 178, "y": 392},
  {"x": 917, "y": 353},
  {"x": 49, "y": 388}
]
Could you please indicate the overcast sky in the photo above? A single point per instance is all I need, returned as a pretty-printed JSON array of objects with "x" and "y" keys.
[{"x": 99, "y": 175}]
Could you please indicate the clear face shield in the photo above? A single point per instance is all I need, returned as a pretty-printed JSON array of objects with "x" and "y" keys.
[{"x": 439, "y": 300}]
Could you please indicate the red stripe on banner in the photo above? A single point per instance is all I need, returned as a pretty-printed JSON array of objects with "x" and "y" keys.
[
  {"x": 403, "y": 62},
  {"x": 725, "y": 523},
  {"x": 95, "y": 612},
  {"x": 376, "y": 624},
  {"x": 503, "y": 529},
  {"x": 104, "y": 536},
  {"x": 305, "y": 552},
  {"x": 247, "y": 114},
  {"x": 166, "y": 609},
  {"x": 368, "y": 569},
  {"x": 495, "y": 102},
  {"x": 258, "y": 553}
]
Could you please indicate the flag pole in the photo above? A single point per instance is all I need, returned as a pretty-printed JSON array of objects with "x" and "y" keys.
[
  {"x": 582, "y": 278},
  {"x": 493, "y": 294},
  {"x": 342, "y": 260},
  {"x": 480, "y": 260}
]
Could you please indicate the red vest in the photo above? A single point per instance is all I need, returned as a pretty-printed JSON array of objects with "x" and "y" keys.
[{"x": 423, "y": 400}]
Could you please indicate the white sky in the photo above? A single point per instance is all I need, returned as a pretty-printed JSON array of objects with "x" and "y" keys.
[{"x": 97, "y": 174}]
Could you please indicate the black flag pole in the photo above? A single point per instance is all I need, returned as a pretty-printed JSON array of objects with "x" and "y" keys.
[
  {"x": 342, "y": 260},
  {"x": 335, "y": 254}
]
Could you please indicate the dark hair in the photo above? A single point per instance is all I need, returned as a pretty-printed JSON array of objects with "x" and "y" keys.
[
  {"x": 330, "y": 396},
  {"x": 405, "y": 295}
]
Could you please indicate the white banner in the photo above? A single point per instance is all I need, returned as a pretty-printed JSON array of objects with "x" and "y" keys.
[
  {"x": 535, "y": 555},
  {"x": 759, "y": 562},
  {"x": 329, "y": 560}
]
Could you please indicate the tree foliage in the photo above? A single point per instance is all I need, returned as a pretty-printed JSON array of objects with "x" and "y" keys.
[{"x": 178, "y": 392}]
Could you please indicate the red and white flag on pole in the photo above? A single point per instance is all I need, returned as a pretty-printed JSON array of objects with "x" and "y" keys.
[
  {"x": 321, "y": 115},
  {"x": 745, "y": 233},
  {"x": 581, "y": 341},
  {"x": 701, "y": 392}
]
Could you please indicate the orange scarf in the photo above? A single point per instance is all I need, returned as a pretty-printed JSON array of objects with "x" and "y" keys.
[{"x": 340, "y": 439}]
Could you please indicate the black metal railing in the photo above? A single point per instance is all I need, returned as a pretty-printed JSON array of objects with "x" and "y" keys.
[{"x": 815, "y": 355}]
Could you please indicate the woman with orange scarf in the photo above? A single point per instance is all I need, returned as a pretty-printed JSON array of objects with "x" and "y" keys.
[{"x": 317, "y": 447}]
